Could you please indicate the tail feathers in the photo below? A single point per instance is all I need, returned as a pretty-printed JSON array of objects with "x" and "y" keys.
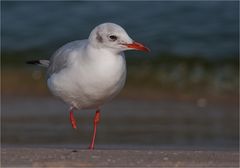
[{"x": 44, "y": 63}]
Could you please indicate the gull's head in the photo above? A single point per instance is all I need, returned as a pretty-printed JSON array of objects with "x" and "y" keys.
[{"x": 113, "y": 37}]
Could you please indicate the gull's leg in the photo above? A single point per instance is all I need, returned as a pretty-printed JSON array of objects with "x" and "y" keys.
[
  {"x": 95, "y": 122},
  {"x": 72, "y": 119}
]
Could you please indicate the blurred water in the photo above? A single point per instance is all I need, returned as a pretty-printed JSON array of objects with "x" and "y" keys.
[
  {"x": 123, "y": 122},
  {"x": 204, "y": 28}
]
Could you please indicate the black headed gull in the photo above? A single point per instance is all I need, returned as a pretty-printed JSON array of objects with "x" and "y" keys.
[{"x": 87, "y": 73}]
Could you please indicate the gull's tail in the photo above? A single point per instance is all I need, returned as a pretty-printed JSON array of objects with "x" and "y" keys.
[{"x": 44, "y": 63}]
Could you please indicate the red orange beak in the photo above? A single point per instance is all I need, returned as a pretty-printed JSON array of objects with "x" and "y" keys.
[{"x": 137, "y": 46}]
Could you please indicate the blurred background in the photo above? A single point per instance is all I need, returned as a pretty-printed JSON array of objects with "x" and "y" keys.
[{"x": 184, "y": 93}]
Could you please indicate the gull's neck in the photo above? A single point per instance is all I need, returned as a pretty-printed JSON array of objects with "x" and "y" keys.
[
  {"x": 93, "y": 49},
  {"x": 104, "y": 58}
]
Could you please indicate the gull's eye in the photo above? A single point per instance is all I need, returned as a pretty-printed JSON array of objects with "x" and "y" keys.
[{"x": 113, "y": 37}]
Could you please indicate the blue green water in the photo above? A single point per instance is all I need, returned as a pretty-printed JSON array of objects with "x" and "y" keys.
[{"x": 209, "y": 29}]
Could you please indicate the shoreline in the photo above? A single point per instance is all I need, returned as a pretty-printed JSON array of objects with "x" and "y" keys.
[{"x": 67, "y": 157}]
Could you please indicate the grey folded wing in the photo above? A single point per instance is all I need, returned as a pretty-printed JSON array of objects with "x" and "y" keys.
[{"x": 59, "y": 60}]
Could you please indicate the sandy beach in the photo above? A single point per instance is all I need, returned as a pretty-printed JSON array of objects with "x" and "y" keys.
[
  {"x": 73, "y": 157},
  {"x": 183, "y": 135}
]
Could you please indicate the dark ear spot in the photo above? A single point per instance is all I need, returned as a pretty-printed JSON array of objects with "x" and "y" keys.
[{"x": 99, "y": 38}]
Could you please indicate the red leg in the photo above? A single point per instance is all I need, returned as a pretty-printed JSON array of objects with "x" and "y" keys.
[
  {"x": 72, "y": 119},
  {"x": 95, "y": 122}
]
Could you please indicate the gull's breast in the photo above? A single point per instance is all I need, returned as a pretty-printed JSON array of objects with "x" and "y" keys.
[{"x": 90, "y": 84}]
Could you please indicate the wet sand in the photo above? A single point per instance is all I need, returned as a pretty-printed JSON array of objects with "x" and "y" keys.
[
  {"x": 164, "y": 134},
  {"x": 124, "y": 122},
  {"x": 72, "y": 157}
]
